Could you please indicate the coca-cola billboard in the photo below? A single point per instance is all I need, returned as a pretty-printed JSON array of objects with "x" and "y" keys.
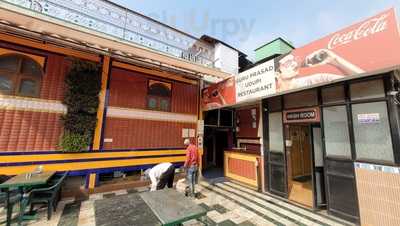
[
  {"x": 363, "y": 47},
  {"x": 367, "y": 28}
]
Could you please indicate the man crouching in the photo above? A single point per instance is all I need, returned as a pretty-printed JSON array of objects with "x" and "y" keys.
[{"x": 161, "y": 175}]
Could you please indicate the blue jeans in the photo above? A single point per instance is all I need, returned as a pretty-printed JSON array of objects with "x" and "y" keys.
[{"x": 191, "y": 177}]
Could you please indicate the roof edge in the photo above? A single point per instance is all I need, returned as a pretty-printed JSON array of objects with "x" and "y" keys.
[
  {"x": 274, "y": 41},
  {"x": 204, "y": 37}
]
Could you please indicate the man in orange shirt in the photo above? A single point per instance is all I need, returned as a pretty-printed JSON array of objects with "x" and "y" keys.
[{"x": 191, "y": 165}]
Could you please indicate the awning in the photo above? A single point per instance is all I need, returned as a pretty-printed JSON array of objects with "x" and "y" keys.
[{"x": 394, "y": 69}]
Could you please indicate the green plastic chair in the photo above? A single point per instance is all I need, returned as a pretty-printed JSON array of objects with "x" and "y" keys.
[
  {"x": 15, "y": 197},
  {"x": 49, "y": 195}
]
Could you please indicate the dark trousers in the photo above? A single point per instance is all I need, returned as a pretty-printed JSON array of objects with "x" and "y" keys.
[{"x": 167, "y": 178}]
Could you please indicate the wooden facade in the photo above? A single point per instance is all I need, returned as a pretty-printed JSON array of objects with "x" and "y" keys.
[
  {"x": 243, "y": 167},
  {"x": 248, "y": 123},
  {"x": 24, "y": 128},
  {"x": 130, "y": 124},
  {"x": 130, "y": 135}
]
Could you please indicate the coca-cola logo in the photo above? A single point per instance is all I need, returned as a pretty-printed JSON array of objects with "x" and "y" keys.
[{"x": 370, "y": 27}]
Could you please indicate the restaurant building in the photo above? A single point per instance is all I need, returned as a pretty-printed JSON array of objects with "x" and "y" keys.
[
  {"x": 150, "y": 77},
  {"x": 319, "y": 125}
]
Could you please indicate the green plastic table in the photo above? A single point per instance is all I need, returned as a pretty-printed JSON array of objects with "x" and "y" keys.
[
  {"x": 163, "y": 207},
  {"x": 22, "y": 181},
  {"x": 172, "y": 207}
]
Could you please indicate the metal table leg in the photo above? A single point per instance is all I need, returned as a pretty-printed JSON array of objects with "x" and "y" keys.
[{"x": 9, "y": 208}]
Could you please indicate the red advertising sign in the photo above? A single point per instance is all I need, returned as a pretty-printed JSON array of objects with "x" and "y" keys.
[
  {"x": 219, "y": 94},
  {"x": 363, "y": 47}
]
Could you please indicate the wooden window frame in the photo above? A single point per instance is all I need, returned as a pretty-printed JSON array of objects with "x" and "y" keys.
[
  {"x": 16, "y": 77},
  {"x": 158, "y": 98}
]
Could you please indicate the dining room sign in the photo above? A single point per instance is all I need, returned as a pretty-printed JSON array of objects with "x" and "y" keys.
[{"x": 302, "y": 115}]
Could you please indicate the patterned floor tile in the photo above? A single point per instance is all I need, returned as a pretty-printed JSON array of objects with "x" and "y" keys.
[
  {"x": 227, "y": 204},
  {"x": 208, "y": 221},
  {"x": 296, "y": 212},
  {"x": 193, "y": 223},
  {"x": 227, "y": 223},
  {"x": 109, "y": 195},
  {"x": 267, "y": 214},
  {"x": 87, "y": 214},
  {"x": 208, "y": 208},
  {"x": 70, "y": 214},
  {"x": 200, "y": 195},
  {"x": 246, "y": 223},
  {"x": 121, "y": 192},
  {"x": 121, "y": 210},
  {"x": 131, "y": 191},
  {"x": 220, "y": 209}
]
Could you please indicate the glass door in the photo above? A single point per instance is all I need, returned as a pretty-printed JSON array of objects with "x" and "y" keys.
[
  {"x": 338, "y": 164},
  {"x": 318, "y": 165},
  {"x": 276, "y": 159}
]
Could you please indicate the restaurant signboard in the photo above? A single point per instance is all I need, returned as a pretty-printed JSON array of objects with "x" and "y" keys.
[{"x": 256, "y": 82}]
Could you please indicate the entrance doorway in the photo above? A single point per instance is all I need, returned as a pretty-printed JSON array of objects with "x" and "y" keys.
[
  {"x": 299, "y": 164},
  {"x": 305, "y": 165},
  {"x": 216, "y": 140}
]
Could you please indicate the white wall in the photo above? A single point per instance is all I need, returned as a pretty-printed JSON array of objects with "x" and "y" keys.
[{"x": 226, "y": 59}]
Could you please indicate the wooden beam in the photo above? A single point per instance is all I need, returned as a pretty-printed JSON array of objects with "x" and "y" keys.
[
  {"x": 48, "y": 47},
  {"x": 200, "y": 136},
  {"x": 102, "y": 98},
  {"x": 100, "y": 115},
  {"x": 162, "y": 74}
]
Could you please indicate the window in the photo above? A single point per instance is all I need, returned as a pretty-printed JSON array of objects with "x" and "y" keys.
[
  {"x": 211, "y": 117},
  {"x": 225, "y": 117},
  {"x": 5, "y": 84},
  {"x": 159, "y": 96},
  {"x": 275, "y": 104},
  {"x": 19, "y": 75},
  {"x": 303, "y": 99},
  {"x": 367, "y": 90},
  {"x": 372, "y": 132},
  {"x": 333, "y": 95},
  {"x": 336, "y": 130}
]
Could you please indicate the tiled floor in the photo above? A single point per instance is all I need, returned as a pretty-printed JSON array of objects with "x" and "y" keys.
[
  {"x": 301, "y": 192},
  {"x": 227, "y": 203}
]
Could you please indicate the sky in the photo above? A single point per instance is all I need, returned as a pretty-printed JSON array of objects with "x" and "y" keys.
[{"x": 249, "y": 24}]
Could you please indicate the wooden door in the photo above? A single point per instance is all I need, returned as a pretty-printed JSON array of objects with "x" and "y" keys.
[
  {"x": 289, "y": 170},
  {"x": 296, "y": 151},
  {"x": 300, "y": 151},
  {"x": 306, "y": 151}
]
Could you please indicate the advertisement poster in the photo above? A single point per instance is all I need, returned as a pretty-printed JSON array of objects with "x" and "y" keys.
[
  {"x": 366, "y": 46},
  {"x": 256, "y": 82},
  {"x": 219, "y": 94}
]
